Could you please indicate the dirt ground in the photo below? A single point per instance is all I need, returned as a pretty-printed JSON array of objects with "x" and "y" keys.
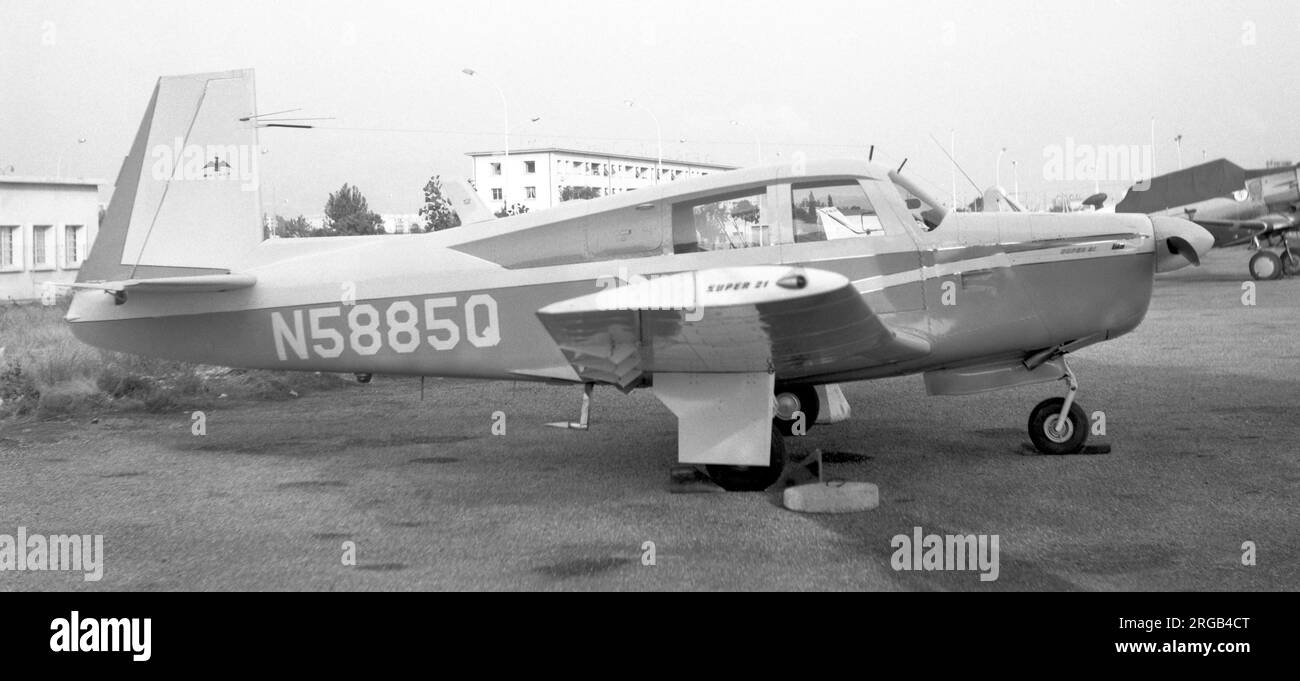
[{"x": 1200, "y": 403}]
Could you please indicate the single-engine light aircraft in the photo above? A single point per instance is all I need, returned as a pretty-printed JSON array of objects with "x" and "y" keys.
[{"x": 740, "y": 299}]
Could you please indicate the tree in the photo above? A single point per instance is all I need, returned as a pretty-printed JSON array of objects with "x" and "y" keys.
[
  {"x": 516, "y": 209},
  {"x": 348, "y": 214},
  {"x": 294, "y": 229},
  {"x": 571, "y": 193},
  {"x": 437, "y": 211}
]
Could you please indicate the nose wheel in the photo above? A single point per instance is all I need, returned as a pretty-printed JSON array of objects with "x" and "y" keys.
[{"x": 1059, "y": 425}]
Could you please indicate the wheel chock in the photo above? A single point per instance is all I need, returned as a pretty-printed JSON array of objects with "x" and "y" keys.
[
  {"x": 800, "y": 471},
  {"x": 687, "y": 479}
]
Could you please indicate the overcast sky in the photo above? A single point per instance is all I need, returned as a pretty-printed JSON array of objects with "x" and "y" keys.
[{"x": 819, "y": 78}]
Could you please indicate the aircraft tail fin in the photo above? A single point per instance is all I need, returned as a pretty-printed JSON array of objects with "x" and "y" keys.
[
  {"x": 186, "y": 202},
  {"x": 467, "y": 203},
  {"x": 996, "y": 200}
]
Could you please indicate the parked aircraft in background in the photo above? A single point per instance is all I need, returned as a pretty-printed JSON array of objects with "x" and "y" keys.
[
  {"x": 731, "y": 296},
  {"x": 1257, "y": 207}
]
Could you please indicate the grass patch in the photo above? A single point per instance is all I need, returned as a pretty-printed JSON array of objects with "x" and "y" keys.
[{"x": 47, "y": 373}]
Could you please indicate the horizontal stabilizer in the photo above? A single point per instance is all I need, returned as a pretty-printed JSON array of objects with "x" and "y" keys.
[{"x": 204, "y": 283}]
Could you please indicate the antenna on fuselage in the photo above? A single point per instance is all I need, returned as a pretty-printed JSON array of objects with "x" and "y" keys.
[
  {"x": 871, "y": 154},
  {"x": 900, "y": 166},
  {"x": 957, "y": 166}
]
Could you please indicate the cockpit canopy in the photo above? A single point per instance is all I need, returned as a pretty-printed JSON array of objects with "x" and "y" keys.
[{"x": 800, "y": 211}]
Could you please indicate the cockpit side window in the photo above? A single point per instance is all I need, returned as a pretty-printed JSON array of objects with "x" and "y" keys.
[
  {"x": 838, "y": 209},
  {"x": 926, "y": 211},
  {"x": 740, "y": 220}
]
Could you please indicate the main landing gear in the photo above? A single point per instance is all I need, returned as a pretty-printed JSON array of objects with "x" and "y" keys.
[
  {"x": 790, "y": 400},
  {"x": 1059, "y": 425},
  {"x": 752, "y": 478},
  {"x": 1266, "y": 264}
]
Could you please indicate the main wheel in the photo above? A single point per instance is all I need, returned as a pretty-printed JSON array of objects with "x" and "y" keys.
[
  {"x": 1265, "y": 265},
  {"x": 1291, "y": 262},
  {"x": 790, "y": 399},
  {"x": 752, "y": 478},
  {"x": 1042, "y": 427}
]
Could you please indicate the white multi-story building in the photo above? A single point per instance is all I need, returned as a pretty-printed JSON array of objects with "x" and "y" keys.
[
  {"x": 47, "y": 226},
  {"x": 537, "y": 177}
]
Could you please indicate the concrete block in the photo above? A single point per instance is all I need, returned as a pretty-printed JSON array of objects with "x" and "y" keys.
[{"x": 833, "y": 497}]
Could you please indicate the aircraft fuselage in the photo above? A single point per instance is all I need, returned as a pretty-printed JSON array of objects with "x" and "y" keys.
[{"x": 983, "y": 286}]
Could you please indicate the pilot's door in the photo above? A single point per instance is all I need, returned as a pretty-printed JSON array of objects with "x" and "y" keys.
[{"x": 852, "y": 227}]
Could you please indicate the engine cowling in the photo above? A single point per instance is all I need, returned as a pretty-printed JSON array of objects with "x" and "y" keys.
[{"x": 1179, "y": 243}]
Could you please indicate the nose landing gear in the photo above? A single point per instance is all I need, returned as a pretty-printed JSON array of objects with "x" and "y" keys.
[{"x": 1059, "y": 425}]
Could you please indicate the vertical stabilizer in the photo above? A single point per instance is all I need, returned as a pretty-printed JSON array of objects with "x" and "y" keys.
[
  {"x": 186, "y": 200},
  {"x": 467, "y": 203}
]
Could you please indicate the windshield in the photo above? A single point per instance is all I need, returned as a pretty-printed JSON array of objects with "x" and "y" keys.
[{"x": 920, "y": 204}]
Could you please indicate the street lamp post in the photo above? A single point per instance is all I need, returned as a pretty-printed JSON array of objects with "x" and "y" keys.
[
  {"x": 997, "y": 170},
  {"x": 533, "y": 140},
  {"x": 1015, "y": 177},
  {"x": 59, "y": 168},
  {"x": 505, "y": 116},
  {"x": 659, "y": 137},
  {"x": 1153, "y": 146},
  {"x": 952, "y": 153},
  {"x": 1178, "y": 144},
  {"x": 758, "y": 143}
]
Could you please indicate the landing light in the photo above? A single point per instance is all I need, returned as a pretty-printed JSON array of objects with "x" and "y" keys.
[{"x": 793, "y": 281}]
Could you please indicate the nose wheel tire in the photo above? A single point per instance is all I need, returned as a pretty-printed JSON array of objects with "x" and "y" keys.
[
  {"x": 752, "y": 478},
  {"x": 790, "y": 399},
  {"x": 1052, "y": 437},
  {"x": 1265, "y": 265}
]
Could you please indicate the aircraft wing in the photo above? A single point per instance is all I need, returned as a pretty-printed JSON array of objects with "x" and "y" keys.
[
  {"x": 1234, "y": 232},
  {"x": 794, "y": 321}
]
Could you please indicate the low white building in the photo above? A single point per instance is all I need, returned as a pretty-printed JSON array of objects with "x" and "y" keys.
[
  {"x": 536, "y": 177},
  {"x": 402, "y": 223},
  {"x": 392, "y": 223},
  {"x": 47, "y": 226}
]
